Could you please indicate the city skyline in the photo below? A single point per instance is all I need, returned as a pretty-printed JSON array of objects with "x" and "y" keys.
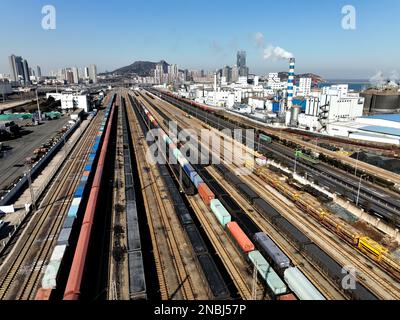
[{"x": 212, "y": 38}]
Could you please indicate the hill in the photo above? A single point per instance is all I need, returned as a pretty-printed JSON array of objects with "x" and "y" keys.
[{"x": 141, "y": 68}]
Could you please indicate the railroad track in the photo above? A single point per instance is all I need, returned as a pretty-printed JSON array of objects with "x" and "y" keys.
[
  {"x": 159, "y": 206},
  {"x": 29, "y": 256},
  {"x": 346, "y": 256},
  {"x": 118, "y": 270},
  {"x": 385, "y": 283},
  {"x": 236, "y": 274},
  {"x": 267, "y": 228},
  {"x": 244, "y": 290}
]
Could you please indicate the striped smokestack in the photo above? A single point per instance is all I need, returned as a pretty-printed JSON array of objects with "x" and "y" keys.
[{"x": 290, "y": 83}]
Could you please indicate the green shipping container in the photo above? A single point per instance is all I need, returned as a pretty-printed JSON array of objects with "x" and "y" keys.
[
  {"x": 220, "y": 212},
  {"x": 266, "y": 272}
]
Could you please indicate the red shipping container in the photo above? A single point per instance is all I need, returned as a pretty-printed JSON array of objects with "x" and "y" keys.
[
  {"x": 286, "y": 297},
  {"x": 205, "y": 193},
  {"x": 242, "y": 240},
  {"x": 43, "y": 294}
]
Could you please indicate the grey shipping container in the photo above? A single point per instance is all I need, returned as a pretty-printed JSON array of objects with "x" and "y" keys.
[
  {"x": 63, "y": 238},
  {"x": 68, "y": 223},
  {"x": 272, "y": 250}
]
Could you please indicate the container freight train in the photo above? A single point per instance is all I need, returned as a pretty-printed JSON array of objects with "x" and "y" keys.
[
  {"x": 212, "y": 278},
  {"x": 64, "y": 247},
  {"x": 354, "y": 237},
  {"x": 332, "y": 182},
  {"x": 137, "y": 281},
  {"x": 77, "y": 270},
  {"x": 346, "y": 186},
  {"x": 305, "y": 245},
  {"x": 251, "y": 233},
  {"x": 276, "y": 287}
]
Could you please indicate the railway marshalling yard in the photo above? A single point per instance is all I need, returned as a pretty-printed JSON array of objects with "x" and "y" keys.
[{"x": 113, "y": 224}]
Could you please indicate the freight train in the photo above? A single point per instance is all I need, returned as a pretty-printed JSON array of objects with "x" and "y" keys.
[
  {"x": 385, "y": 207},
  {"x": 309, "y": 204},
  {"x": 276, "y": 287},
  {"x": 298, "y": 238},
  {"x": 137, "y": 281},
  {"x": 218, "y": 289},
  {"x": 58, "y": 260}
]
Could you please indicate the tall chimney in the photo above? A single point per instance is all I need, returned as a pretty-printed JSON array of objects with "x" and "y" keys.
[{"x": 290, "y": 83}]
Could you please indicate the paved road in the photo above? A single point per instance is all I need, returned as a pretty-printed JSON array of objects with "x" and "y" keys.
[{"x": 12, "y": 162}]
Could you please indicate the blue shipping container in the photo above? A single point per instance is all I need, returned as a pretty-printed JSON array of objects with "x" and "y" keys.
[
  {"x": 188, "y": 169},
  {"x": 79, "y": 192},
  {"x": 196, "y": 179},
  {"x": 73, "y": 211}
]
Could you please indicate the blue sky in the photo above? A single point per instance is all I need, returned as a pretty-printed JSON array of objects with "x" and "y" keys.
[{"x": 204, "y": 34}]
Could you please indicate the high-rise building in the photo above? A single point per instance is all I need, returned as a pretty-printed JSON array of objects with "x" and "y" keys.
[
  {"x": 227, "y": 73},
  {"x": 69, "y": 75},
  {"x": 26, "y": 72},
  {"x": 16, "y": 68},
  {"x": 75, "y": 74},
  {"x": 172, "y": 73},
  {"x": 39, "y": 72},
  {"x": 86, "y": 73},
  {"x": 241, "y": 64},
  {"x": 235, "y": 73},
  {"x": 159, "y": 74},
  {"x": 93, "y": 73},
  {"x": 61, "y": 75}
]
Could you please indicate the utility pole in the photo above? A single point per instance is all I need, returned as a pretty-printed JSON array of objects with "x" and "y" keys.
[{"x": 38, "y": 105}]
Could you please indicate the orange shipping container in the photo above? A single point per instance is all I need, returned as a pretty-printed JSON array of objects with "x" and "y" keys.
[
  {"x": 205, "y": 193},
  {"x": 86, "y": 173},
  {"x": 289, "y": 296},
  {"x": 237, "y": 233}
]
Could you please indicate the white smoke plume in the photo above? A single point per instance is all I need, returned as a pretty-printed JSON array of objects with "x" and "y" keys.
[
  {"x": 259, "y": 39},
  {"x": 271, "y": 51},
  {"x": 378, "y": 79},
  {"x": 277, "y": 53},
  {"x": 394, "y": 77}
]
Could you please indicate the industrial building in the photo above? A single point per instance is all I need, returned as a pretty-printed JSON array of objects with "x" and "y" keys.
[
  {"x": 72, "y": 100},
  {"x": 384, "y": 128}
]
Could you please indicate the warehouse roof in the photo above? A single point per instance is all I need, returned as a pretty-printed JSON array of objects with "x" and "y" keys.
[
  {"x": 384, "y": 130},
  {"x": 390, "y": 117}
]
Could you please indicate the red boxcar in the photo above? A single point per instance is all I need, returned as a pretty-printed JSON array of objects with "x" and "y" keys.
[
  {"x": 241, "y": 239},
  {"x": 205, "y": 193}
]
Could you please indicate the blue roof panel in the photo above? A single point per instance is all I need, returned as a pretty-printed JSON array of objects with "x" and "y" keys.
[
  {"x": 390, "y": 117},
  {"x": 384, "y": 130}
]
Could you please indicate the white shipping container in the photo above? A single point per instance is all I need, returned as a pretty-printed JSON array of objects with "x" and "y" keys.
[{"x": 301, "y": 286}]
